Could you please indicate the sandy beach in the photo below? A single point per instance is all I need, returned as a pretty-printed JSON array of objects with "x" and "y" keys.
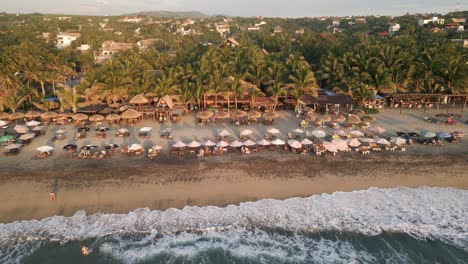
[{"x": 121, "y": 183}]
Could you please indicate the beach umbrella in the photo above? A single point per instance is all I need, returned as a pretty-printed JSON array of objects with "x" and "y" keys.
[
  {"x": 353, "y": 119},
  {"x": 221, "y": 115},
  {"x": 224, "y": 133},
  {"x": 157, "y": 147},
  {"x": 16, "y": 116},
  {"x": 96, "y": 118},
  {"x": 249, "y": 143},
  {"x": 39, "y": 128},
  {"x": 273, "y": 131},
  {"x": 80, "y": 117},
  {"x": 21, "y": 129},
  {"x": 294, "y": 144},
  {"x": 45, "y": 149},
  {"x": 222, "y": 144},
  {"x": 246, "y": 132},
  {"x": 359, "y": 112},
  {"x": 204, "y": 115},
  {"x": 13, "y": 146},
  {"x": 382, "y": 141},
  {"x": 167, "y": 130},
  {"x": 428, "y": 134},
  {"x": 139, "y": 99},
  {"x": 88, "y": 147},
  {"x": 3, "y": 123},
  {"x": 60, "y": 131},
  {"x": 330, "y": 146},
  {"x": 112, "y": 117},
  {"x": 278, "y": 142},
  {"x": 179, "y": 144},
  {"x": 135, "y": 147},
  {"x": 306, "y": 141},
  {"x": 238, "y": 113},
  {"x": 340, "y": 119},
  {"x": 325, "y": 118},
  {"x": 145, "y": 129},
  {"x": 33, "y": 123},
  {"x": 340, "y": 144},
  {"x": 263, "y": 142},
  {"x": 4, "y": 115},
  {"x": 270, "y": 115},
  {"x": 194, "y": 144},
  {"x": 124, "y": 108},
  {"x": 398, "y": 141},
  {"x": 69, "y": 147},
  {"x": 367, "y": 140},
  {"x": 356, "y": 133},
  {"x": 27, "y": 136},
  {"x": 318, "y": 133},
  {"x": 254, "y": 114},
  {"x": 32, "y": 114},
  {"x": 122, "y": 130},
  {"x": 353, "y": 142},
  {"x": 443, "y": 135},
  {"x": 236, "y": 144},
  {"x": 111, "y": 146},
  {"x": 209, "y": 143},
  {"x": 48, "y": 115},
  {"x": 131, "y": 114},
  {"x": 114, "y": 105},
  {"x": 6, "y": 138},
  {"x": 377, "y": 130},
  {"x": 340, "y": 133},
  {"x": 65, "y": 115},
  {"x": 298, "y": 131},
  {"x": 367, "y": 119}
]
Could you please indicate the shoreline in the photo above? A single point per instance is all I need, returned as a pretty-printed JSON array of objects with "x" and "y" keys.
[{"x": 122, "y": 184}]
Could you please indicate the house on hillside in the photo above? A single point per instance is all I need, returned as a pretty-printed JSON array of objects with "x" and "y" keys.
[
  {"x": 222, "y": 29},
  {"x": 146, "y": 43},
  {"x": 131, "y": 19},
  {"x": 110, "y": 47},
  {"x": 394, "y": 28},
  {"x": 434, "y": 20},
  {"x": 254, "y": 28},
  {"x": 65, "y": 39},
  {"x": 230, "y": 42}
]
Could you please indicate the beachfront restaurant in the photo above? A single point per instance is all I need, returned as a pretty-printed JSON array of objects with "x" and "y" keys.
[{"x": 328, "y": 102}]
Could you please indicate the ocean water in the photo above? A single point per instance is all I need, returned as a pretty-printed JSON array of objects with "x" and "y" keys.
[{"x": 400, "y": 225}]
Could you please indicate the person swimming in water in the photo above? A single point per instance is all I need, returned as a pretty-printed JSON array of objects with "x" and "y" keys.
[{"x": 84, "y": 251}]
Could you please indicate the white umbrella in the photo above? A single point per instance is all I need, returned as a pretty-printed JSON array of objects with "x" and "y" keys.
[
  {"x": 32, "y": 123},
  {"x": 222, "y": 144},
  {"x": 27, "y": 136},
  {"x": 145, "y": 129},
  {"x": 298, "y": 130},
  {"x": 13, "y": 146},
  {"x": 306, "y": 141},
  {"x": 294, "y": 143},
  {"x": 135, "y": 147},
  {"x": 194, "y": 144},
  {"x": 318, "y": 133},
  {"x": 354, "y": 142},
  {"x": 209, "y": 143},
  {"x": 340, "y": 133},
  {"x": 340, "y": 144},
  {"x": 3, "y": 123},
  {"x": 246, "y": 132},
  {"x": 273, "y": 131},
  {"x": 224, "y": 133},
  {"x": 263, "y": 142},
  {"x": 21, "y": 129},
  {"x": 60, "y": 131},
  {"x": 39, "y": 128},
  {"x": 382, "y": 141},
  {"x": 45, "y": 149},
  {"x": 377, "y": 130},
  {"x": 330, "y": 146},
  {"x": 367, "y": 140},
  {"x": 428, "y": 134},
  {"x": 356, "y": 133},
  {"x": 278, "y": 142},
  {"x": 398, "y": 141},
  {"x": 249, "y": 143},
  {"x": 236, "y": 144},
  {"x": 179, "y": 144},
  {"x": 122, "y": 130},
  {"x": 157, "y": 147}
]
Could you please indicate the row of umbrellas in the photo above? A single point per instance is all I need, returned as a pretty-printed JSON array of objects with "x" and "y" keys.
[
  {"x": 127, "y": 114},
  {"x": 236, "y": 114}
]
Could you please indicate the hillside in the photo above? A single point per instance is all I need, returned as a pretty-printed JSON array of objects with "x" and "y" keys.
[{"x": 181, "y": 14}]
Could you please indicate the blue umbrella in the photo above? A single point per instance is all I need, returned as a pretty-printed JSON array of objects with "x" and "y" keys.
[
  {"x": 443, "y": 135},
  {"x": 428, "y": 134}
]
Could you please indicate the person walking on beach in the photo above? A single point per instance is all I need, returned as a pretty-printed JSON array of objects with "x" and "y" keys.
[
  {"x": 52, "y": 196},
  {"x": 84, "y": 251}
]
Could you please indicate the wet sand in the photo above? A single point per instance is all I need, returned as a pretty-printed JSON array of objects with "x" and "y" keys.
[{"x": 122, "y": 184}]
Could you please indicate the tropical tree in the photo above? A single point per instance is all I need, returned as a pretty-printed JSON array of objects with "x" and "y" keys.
[
  {"x": 115, "y": 87},
  {"x": 165, "y": 84}
]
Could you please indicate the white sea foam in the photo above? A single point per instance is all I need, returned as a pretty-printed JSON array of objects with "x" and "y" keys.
[{"x": 424, "y": 213}]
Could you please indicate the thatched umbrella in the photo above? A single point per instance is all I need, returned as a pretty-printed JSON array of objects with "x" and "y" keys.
[
  {"x": 204, "y": 115},
  {"x": 113, "y": 117},
  {"x": 96, "y": 118},
  {"x": 32, "y": 114},
  {"x": 238, "y": 114},
  {"x": 221, "y": 115},
  {"x": 16, "y": 116},
  {"x": 353, "y": 119},
  {"x": 359, "y": 112},
  {"x": 80, "y": 117},
  {"x": 270, "y": 116},
  {"x": 254, "y": 114},
  {"x": 114, "y": 105},
  {"x": 124, "y": 108},
  {"x": 4, "y": 115},
  {"x": 340, "y": 118},
  {"x": 48, "y": 115},
  {"x": 367, "y": 119},
  {"x": 131, "y": 114},
  {"x": 65, "y": 115},
  {"x": 139, "y": 99},
  {"x": 325, "y": 118}
]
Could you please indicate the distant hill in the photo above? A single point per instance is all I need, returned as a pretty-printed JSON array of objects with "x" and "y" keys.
[{"x": 181, "y": 14}]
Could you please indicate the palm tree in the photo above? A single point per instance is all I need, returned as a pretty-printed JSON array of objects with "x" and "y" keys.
[
  {"x": 42, "y": 78},
  {"x": 115, "y": 86},
  {"x": 68, "y": 97},
  {"x": 13, "y": 102},
  {"x": 217, "y": 85},
  {"x": 256, "y": 74},
  {"x": 165, "y": 84},
  {"x": 198, "y": 90},
  {"x": 183, "y": 91},
  {"x": 277, "y": 90},
  {"x": 303, "y": 80},
  {"x": 236, "y": 88}
]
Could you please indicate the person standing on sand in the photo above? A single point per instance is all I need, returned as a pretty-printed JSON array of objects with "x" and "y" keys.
[
  {"x": 52, "y": 196},
  {"x": 84, "y": 251}
]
